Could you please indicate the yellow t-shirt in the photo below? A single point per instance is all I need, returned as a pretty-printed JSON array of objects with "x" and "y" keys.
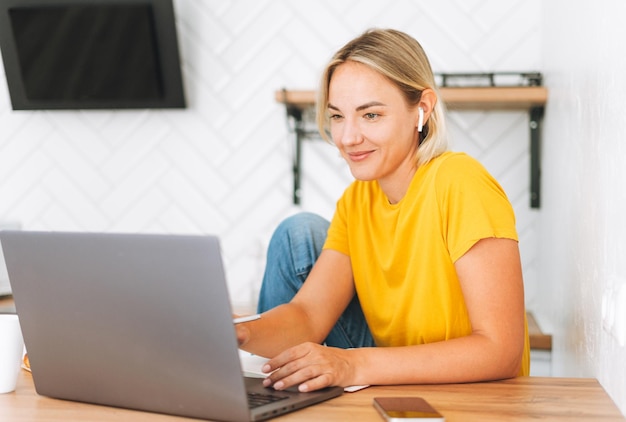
[{"x": 403, "y": 254}]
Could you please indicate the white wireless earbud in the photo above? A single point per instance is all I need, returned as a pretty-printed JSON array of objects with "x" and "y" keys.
[{"x": 420, "y": 122}]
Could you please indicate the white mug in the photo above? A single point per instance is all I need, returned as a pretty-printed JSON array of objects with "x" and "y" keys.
[{"x": 11, "y": 351}]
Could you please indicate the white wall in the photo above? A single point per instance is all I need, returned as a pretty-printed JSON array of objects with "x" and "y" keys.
[{"x": 583, "y": 253}]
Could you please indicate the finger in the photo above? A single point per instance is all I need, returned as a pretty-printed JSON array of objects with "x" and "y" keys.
[
  {"x": 283, "y": 374},
  {"x": 317, "y": 383},
  {"x": 301, "y": 371},
  {"x": 243, "y": 334},
  {"x": 295, "y": 378},
  {"x": 290, "y": 355},
  {"x": 307, "y": 379}
]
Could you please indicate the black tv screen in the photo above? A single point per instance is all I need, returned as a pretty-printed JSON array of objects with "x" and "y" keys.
[{"x": 90, "y": 54}]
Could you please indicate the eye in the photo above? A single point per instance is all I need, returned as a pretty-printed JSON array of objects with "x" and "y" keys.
[
  {"x": 371, "y": 116},
  {"x": 335, "y": 116}
]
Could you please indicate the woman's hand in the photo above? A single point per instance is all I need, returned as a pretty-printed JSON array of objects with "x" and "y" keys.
[{"x": 311, "y": 367}]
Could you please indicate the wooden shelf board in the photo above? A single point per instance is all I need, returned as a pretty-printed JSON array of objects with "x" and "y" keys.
[
  {"x": 490, "y": 98},
  {"x": 538, "y": 339},
  {"x": 475, "y": 98}
]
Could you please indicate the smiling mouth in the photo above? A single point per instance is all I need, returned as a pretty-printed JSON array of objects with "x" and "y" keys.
[{"x": 359, "y": 155}]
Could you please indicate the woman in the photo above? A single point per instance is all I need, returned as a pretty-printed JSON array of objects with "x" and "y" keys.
[{"x": 418, "y": 277}]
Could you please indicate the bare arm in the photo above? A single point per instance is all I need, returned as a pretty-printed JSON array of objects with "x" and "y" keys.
[
  {"x": 491, "y": 279},
  {"x": 311, "y": 314}
]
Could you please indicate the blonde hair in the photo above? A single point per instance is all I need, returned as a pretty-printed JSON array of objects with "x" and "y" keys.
[{"x": 401, "y": 59}]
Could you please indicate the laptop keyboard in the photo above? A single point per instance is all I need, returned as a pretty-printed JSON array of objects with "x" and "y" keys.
[{"x": 260, "y": 399}]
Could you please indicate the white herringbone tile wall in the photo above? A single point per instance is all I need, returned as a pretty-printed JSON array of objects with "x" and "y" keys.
[{"x": 223, "y": 164}]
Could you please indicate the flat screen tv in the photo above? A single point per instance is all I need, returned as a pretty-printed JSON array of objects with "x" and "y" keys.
[{"x": 91, "y": 54}]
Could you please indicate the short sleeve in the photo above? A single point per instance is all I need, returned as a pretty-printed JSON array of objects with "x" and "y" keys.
[{"x": 473, "y": 205}]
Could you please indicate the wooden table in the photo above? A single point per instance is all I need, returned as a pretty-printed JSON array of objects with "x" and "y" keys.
[{"x": 520, "y": 399}]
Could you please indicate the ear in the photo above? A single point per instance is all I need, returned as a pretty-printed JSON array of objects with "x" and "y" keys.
[{"x": 427, "y": 104}]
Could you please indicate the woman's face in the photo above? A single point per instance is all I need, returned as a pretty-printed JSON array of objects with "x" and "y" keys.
[{"x": 372, "y": 125}]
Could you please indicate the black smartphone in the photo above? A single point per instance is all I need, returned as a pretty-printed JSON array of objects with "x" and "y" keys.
[{"x": 404, "y": 409}]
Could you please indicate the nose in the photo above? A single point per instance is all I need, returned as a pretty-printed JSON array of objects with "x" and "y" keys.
[{"x": 348, "y": 134}]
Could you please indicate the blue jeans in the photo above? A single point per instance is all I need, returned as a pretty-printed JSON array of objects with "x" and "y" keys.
[{"x": 293, "y": 249}]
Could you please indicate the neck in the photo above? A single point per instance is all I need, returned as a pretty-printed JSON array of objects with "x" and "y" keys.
[{"x": 395, "y": 186}]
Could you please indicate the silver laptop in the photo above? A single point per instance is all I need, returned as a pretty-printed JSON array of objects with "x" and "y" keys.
[{"x": 135, "y": 321}]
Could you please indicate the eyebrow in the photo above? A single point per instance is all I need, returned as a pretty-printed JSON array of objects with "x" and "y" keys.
[{"x": 361, "y": 107}]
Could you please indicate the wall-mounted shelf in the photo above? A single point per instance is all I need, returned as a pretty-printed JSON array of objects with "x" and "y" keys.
[
  {"x": 531, "y": 97},
  {"x": 478, "y": 98}
]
